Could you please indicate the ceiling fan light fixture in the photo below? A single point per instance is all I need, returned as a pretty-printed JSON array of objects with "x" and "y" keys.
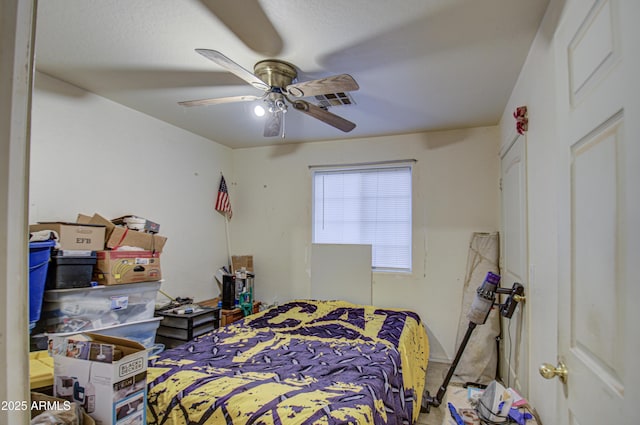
[{"x": 259, "y": 111}]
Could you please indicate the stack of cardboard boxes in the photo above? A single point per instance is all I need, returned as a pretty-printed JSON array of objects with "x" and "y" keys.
[
  {"x": 124, "y": 255},
  {"x": 104, "y": 374},
  {"x": 129, "y": 255}
]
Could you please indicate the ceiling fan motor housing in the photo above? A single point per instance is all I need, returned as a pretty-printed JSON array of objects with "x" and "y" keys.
[{"x": 275, "y": 73}]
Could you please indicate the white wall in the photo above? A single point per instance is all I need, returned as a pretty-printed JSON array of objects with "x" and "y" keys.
[
  {"x": 535, "y": 89},
  {"x": 90, "y": 155},
  {"x": 455, "y": 193}
]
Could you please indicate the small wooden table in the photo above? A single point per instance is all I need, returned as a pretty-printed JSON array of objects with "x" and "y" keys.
[{"x": 228, "y": 316}]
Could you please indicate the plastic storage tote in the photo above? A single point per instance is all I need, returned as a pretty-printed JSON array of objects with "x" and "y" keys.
[
  {"x": 142, "y": 331},
  {"x": 84, "y": 309},
  {"x": 39, "y": 256}
]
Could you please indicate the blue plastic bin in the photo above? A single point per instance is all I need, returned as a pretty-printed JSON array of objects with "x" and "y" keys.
[{"x": 39, "y": 255}]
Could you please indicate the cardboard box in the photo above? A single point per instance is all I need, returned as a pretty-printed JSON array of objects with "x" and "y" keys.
[
  {"x": 240, "y": 261},
  {"x": 75, "y": 236},
  {"x": 117, "y": 236},
  {"x": 106, "y": 375},
  {"x": 116, "y": 267},
  {"x": 121, "y": 236}
]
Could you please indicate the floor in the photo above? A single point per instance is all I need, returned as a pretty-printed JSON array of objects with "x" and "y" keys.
[{"x": 435, "y": 375}]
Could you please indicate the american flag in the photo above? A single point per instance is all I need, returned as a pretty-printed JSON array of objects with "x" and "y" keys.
[{"x": 222, "y": 202}]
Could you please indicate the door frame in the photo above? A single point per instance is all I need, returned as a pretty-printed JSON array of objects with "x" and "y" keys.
[
  {"x": 17, "y": 25},
  {"x": 514, "y": 342}
]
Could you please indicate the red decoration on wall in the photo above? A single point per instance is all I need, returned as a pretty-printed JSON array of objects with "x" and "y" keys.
[{"x": 522, "y": 119}]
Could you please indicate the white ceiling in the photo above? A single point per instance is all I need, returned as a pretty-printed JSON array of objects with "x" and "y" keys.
[{"x": 421, "y": 64}]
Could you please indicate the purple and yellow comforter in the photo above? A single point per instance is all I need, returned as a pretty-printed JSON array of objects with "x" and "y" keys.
[{"x": 304, "y": 362}]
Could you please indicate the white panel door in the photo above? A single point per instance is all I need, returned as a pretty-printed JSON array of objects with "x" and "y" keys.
[
  {"x": 515, "y": 333},
  {"x": 598, "y": 134}
]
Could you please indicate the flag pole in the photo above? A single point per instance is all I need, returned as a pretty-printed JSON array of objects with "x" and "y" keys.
[
  {"x": 226, "y": 227},
  {"x": 223, "y": 206}
]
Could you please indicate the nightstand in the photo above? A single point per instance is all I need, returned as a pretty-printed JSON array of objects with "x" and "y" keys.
[{"x": 229, "y": 316}]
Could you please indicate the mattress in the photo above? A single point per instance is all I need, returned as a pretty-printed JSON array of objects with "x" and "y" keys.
[{"x": 303, "y": 362}]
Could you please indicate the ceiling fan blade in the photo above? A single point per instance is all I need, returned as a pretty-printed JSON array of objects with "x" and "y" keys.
[
  {"x": 204, "y": 102},
  {"x": 334, "y": 84},
  {"x": 233, "y": 67},
  {"x": 247, "y": 20},
  {"x": 324, "y": 116},
  {"x": 273, "y": 124}
]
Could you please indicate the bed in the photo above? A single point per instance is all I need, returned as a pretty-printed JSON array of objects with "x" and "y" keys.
[{"x": 303, "y": 362}]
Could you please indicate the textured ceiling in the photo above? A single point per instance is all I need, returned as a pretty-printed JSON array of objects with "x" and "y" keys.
[{"x": 421, "y": 64}]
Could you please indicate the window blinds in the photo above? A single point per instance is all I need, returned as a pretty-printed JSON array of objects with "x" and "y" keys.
[{"x": 366, "y": 205}]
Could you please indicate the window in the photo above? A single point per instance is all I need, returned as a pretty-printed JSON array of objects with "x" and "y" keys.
[{"x": 366, "y": 205}]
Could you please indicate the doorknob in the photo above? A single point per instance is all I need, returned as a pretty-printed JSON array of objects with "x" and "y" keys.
[{"x": 548, "y": 371}]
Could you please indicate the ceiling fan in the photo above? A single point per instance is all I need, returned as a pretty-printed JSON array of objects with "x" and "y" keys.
[{"x": 278, "y": 80}]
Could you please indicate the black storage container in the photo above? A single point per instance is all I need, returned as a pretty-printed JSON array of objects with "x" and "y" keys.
[
  {"x": 186, "y": 326},
  {"x": 70, "y": 269}
]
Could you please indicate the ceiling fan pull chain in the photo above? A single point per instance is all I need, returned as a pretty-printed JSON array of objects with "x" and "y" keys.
[{"x": 282, "y": 129}]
